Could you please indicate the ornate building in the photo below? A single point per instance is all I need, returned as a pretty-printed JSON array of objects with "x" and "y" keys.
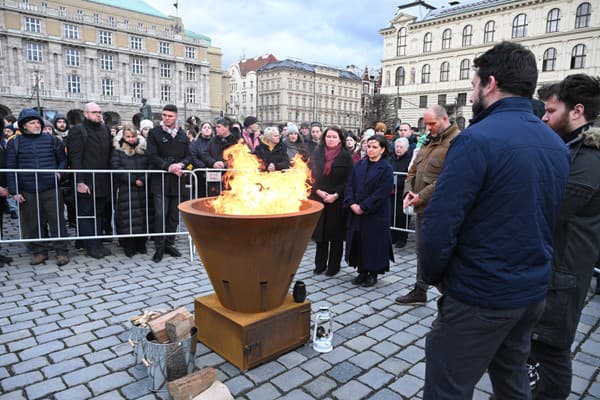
[
  {"x": 61, "y": 55},
  {"x": 429, "y": 60},
  {"x": 293, "y": 91}
]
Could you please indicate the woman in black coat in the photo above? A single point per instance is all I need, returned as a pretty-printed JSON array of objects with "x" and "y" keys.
[
  {"x": 132, "y": 215},
  {"x": 271, "y": 151},
  {"x": 331, "y": 165},
  {"x": 197, "y": 147}
]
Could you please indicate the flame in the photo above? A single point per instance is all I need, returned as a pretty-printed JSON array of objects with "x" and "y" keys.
[{"x": 251, "y": 191}]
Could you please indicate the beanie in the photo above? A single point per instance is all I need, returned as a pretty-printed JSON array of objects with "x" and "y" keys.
[
  {"x": 291, "y": 127},
  {"x": 146, "y": 123},
  {"x": 249, "y": 121}
]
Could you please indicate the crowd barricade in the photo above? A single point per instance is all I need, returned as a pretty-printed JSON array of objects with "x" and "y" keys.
[
  {"x": 210, "y": 181},
  {"x": 65, "y": 189},
  {"x": 400, "y": 221}
]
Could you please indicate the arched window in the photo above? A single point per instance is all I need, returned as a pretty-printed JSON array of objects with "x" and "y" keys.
[
  {"x": 427, "y": 39},
  {"x": 400, "y": 75},
  {"x": 578, "y": 57},
  {"x": 519, "y": 27},
  {"x": 421, "y": 125},
  {"x": 552, "y": 20},
  {"x": 444, "y": 71},
  {"x": 425, "y": 73},
  {"x": 582, "y": 15},
  {"x": 401, "y": 50},
  {"x": 388, "y": 78},
  {"x": 465, "y": 66},
  {"x": 549, "y": 59},
  {"x": 488, "y": 32},
  {"x": 467, "y": 35},
  {"x": 446, "y": 39}
]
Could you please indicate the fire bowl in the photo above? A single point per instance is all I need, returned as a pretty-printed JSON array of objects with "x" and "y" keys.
[{"x": 250, "y": 259}]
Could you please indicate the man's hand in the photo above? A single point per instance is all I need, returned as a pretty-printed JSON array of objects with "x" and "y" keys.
[
  {"x": 139, "y": 183},
  {"x": 356, "y": 209},
  {"x": 175, "y": 168},
  {"x": 271, "y": 167},
  {"x": 411, "y": 199},
  {"x": 19, "y": 198},
  {"x": 219, "y": 165},
  {"x": 83, "y": 188}
]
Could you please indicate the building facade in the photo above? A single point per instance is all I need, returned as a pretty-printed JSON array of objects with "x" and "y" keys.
[
  {"x": 242, "y": 86},
  {"x": 293, "y": 91},
  {"x": 429, "y": 60},
  {"x": 61, "y": 55}
]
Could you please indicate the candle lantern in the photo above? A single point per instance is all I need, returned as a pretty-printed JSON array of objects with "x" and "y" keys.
[{"x": 323, "y": 331}]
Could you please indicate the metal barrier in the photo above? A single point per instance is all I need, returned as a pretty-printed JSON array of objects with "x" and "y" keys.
[{"x": 400, "y": 221}]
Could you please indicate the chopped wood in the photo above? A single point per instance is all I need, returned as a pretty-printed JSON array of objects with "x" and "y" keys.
[
  {"x": 142, "y": 320},
  {"x": 217, "y": 391},
  {"x": 193, "y": 384},
  {"x": 178, "y": 328},
  {"x": 158, "y": 324}
]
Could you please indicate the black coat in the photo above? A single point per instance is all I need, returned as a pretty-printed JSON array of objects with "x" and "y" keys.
[
  {"x": 162, "y": 151},
  {"x": 197, "y": 147},
  {"x": 278, "y": 155},
  {"x": 332, "y": 222},
  {"x": 131, "y": 207},
  {"x": 215, "y": 147},
  {"x": 91, "y": 151}
]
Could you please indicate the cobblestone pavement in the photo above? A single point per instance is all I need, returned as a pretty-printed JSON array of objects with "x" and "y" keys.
[{"x": 63, "y": 332}]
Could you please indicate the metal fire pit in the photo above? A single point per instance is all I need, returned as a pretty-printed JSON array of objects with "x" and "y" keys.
[{"x": 250, "y": 259}]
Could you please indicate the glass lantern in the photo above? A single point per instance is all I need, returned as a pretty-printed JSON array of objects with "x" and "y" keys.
[{"x": 323, "y": 331}]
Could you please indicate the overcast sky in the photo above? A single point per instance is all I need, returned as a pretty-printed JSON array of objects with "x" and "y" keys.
[{"x": 330, "y": 32}]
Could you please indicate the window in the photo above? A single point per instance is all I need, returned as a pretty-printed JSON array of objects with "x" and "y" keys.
[
  {"x": 582, "y": 15},
  {"x": 106, "y": 62},
  {"x": 444, "y": 71},
  {"x": 423, "y": 101},
  {"x": 96, "y": 18},
  {"x": 79, "y": 15},
  {"x": 137, "y": 66},
  {"x": 72, "y": 57},
  {"x": 135, "y": 43},
  {"x": 519, "y": 26},
  {"x": 421, "y": 125},
  {"x": 190, "y": 52},
  {"x": 549, "y": 59},
  {"x": 105, "y": 37},
  {"x": 488, "y": 32},
  {"x": 165, "y": 93},
  {"x": 465, "y": 66},
  {"x": 190, "y": 73},
  {"x": 400, "y": 75},
  {"x": 447, "y": 39},
  {"x": 111, "y": 22},
  {"x": 461, "y": 99},
  {"x": 138, "y": 90},
  {"x": 425, "y": 73},
  {"x": 401, "y": 49},
  {"x": 107, "y": 87},
  {"x": 71, "y": 31},
  {"x": 165, "y": 70},
  {"x": 552, "y": 20},
  {"x": 73, "y": 84},
  {"x": 33, "y": 24},
  {"x": 578, "y": 57},
  {"x": 467, "y": 35},
  {"x": 62, "y": 10},
  {"x": 442, "y": 99},
  {"x": 164, "y": 48},
  {"x": 427, "y": 39},
  {"x": 34, "y": 52},
  {"x": 190, "y": 95}
]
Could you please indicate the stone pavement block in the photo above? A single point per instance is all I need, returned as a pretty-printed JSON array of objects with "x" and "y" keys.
[
  {"x": 417, "y": 330},
  {"x": 80, "y": 338},
  {"x": 360, "y": 343},
  {"x": 41, "y": 350},
  {"x": 348, "y": 318},
  {"x": 209, "y": 360},
  {"x": 343, "y": 372},
  {"x": 403, "y": 338},
  {"x": 376, "y": 378},
  {"x": 350, "y": 331},
  {"x": 75, "y": 393},
  {"x": 337, "y": 355},
  {"x": 70, "y": 352},
  {"x": 296, "y": 395},
  {"x": 386, "y": 348},
  {"x": 120, "y": 363},
  {"x": 395, "y": 366},
  {"x": 320, "y": 386},
  {"x": 21, "y": 344},
  {"x": 366, "y": 359},
  {"x": 315, "y": 366},
  {"x": 380, "y": 333},
  {"x": 10, "y": 312},
  {"x": 89, "y": 326},
  {"x": 41, "y": 329},
  {"x": 485, "y": 384},
  {"x": 373, "y": 321},
  {"x": 114, "y": 395},
  {"x": 238, "y": 385},
  {"x": 30, "y": 365},
  {"x": 112, "y": 330},
  {"x": 381, "y": 304},
  {"x": 85, "y": 375},
  {"x": 385, "y": 394},
  {"x": 70, "y": 322},
  {"x": 42, "y": 305},
  {"x": 265, "y": 372},
  {"x": 63, "y": 367},
  {"x": 395, "y": 324},
  {"x": 412, "y": 354},
  {"x": 80, "y": 310},
  {"x": 110, "y": 382},
  {"x": 104, "y": 343},
  {"x": 43, "y": 389},
  {"x": 582, "y": 370},
  {"x": 17, "y": 327},
  {"x": 16, "y": 335},
  {"x": 19, "y": 381},
  {"x": 54, "y": 335},
  {"x": 4, "y": 373},
  {"x": 352, "y": 391},
  {"x": 291, "y": 359},
  {"x": 48, "y": 319},
  {"x": 418, "y": 370},
  {"x": 591, "y": 347},
  {"x": 407, "y": 386},
  {"x": 99, "y": 356},
  {"x": 137, "y": 389},
  {"x": 594, "y": 390},
  {"x": 579, "y": 385},
  {"x": 264, "y": 392},
  {"x": 291, "y": 379},
  {"x": 16, "y": 395}
]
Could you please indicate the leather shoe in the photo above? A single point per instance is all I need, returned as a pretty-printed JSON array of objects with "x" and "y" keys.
[
  {"x": 62, "y": 259},
  {"x": 158, "y": 255},
  {"x": 370, "y": 281},
  {"x": 95, "y": 253},
  {"x": 38, "y": 259},
  {"x": 5, "y": 259},
  {"x": 332, "y": 271},
  {"x": 172, "y": 250},
  {"x": 360, "y": 278},
  {"x": 319, "y": 270}
]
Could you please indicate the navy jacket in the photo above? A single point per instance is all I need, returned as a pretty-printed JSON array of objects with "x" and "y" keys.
[{"x": 487, "y": 230}]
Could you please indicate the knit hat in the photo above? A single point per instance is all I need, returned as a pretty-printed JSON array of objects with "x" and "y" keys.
[
  {"x": 291, "y": 127},
  {"x": 305, "y": 125},
  {"x": 249, "y": 121},
  {"x": 368, "y": 133},
  {"x": 48, "y": 124},
  {"x": 146, "y": 123}
]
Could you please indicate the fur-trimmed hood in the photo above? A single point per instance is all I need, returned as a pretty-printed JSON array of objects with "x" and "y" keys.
[
  {"x": 121, "y": 145},
  {"x": 591, "y": 137}
]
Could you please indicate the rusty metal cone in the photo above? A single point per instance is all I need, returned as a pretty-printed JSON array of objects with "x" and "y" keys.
[{"x": 250, "y": 259}]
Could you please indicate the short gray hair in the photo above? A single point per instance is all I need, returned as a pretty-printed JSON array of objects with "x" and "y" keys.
[
  {"x": 402, "y": 140},
  {"x": 270, "y": 131}
]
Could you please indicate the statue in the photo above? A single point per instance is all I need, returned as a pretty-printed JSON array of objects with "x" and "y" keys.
[{"x": 146, "y": 110}]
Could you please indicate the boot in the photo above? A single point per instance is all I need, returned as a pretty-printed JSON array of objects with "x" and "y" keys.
[
  {"x": 371, "y": 280},
  {"x": 362, "y": 276},
  {"x": 332, "y": 271},
  {"x": 415, "y": 296}
]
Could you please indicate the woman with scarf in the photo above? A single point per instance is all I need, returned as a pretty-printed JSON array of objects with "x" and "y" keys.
[
  {"x": 331, "y": 165},
  {"x": 271, "y": 151},
  {"x": 294, "y": 144}
]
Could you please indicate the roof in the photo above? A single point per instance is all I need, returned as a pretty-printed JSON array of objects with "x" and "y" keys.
[
  {"x": 139, "y": 6},
  {"x": 311, "y": 68},
  {"x": 195, "y": 35},
  {"x": 255, "y": 63},
  {"x": 466, "y": 6}
]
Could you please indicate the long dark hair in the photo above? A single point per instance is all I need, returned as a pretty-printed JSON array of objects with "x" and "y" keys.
[{"x": 382, "y": 142}]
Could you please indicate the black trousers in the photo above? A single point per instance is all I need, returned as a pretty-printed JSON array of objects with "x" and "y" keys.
[
  {"x": 466, "y": 340},
  {"x": 90, "y": 217},
  {"x": 555, "y": 371},
  {"x": 37, "y": 216},
  {"x": 166, "y": 218},
  {"x": 329, "y": 255},
  {"x": 419, "y": 232}
]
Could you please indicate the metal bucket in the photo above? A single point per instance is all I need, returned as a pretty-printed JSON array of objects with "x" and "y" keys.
[
  {"x": 137, "y": 336},
  {"x": 158, "y": 355}
]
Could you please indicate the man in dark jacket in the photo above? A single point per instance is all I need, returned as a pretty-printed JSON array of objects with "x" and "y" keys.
[
  {"x": 487, "y": 233},
  {"x": 3, "y": 195},
  {"x": 38, "y": 194},
  {"x": 168, "y": 149},
  {"x": 61, "y": 126},
  {"x": 89, "y": 146},
  {"x": 213, "y": 153},
  {"x": 572, "y": 105}
]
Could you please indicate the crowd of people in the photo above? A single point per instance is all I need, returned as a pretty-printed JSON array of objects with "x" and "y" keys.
[{"x": 507, "y": 212}]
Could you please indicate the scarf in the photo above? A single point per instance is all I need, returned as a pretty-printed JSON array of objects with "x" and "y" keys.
[
  {"x": 172, "y": 132},
  {"x": 251, "y": 141},
  {"x": 330, "y": 155}
]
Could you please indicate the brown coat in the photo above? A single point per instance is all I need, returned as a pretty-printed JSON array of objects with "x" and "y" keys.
[{"x": 427, "y": 165}]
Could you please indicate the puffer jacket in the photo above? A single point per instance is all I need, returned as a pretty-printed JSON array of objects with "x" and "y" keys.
[
  {"x": 426, "y": 168},
  {"x": 276, "y": 155},
  {"x": 125, "y": 157},
  {"x": 576, "y": 244}
]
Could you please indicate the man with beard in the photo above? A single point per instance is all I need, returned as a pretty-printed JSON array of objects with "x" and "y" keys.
[
  {"x": 487, "y": 233},
  {"x": 89, "y": 146},
  {"x": 572, "y": 105},
  {"x": 61, "y": 126}
]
